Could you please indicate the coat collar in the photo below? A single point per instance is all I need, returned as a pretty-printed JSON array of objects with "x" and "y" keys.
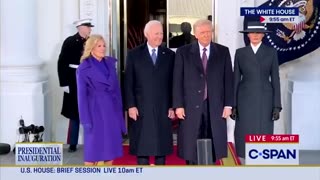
[
  {"x": 78, "y": 37},
  {"x": 146, "y": 54},
  {"x": 89, "y": 67},
  {"x": 258, "y": 56},
  {"x": 260, "y": 50}
]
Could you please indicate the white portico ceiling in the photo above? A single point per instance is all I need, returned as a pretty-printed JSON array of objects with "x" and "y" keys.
[
  {"x": 187, "y": 11},
  {"x": 182, "y": 10}
]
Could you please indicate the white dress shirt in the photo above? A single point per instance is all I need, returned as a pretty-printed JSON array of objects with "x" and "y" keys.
[
  {"x": 201, "y": 50},
  {"x": 150, "y": 49},
  {"x": 255, "y": 48}
]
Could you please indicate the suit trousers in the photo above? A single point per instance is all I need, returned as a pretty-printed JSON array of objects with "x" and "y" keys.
[
  {"x": 144, "y": 160},
  {"x": 205, "y": 131},
  {"x": 73, "y": 132}
]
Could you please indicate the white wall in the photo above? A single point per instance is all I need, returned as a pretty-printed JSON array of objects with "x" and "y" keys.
[{"x": 24, "y": 90}]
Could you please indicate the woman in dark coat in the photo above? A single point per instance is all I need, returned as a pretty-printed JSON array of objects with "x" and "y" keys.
[
  {"x": 257, "y": 87},
  {"x": 100, "y": 104}
]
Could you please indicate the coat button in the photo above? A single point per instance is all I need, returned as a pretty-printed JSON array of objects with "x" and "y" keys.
[
  {"x": 199, "y": 91},
  {"x": 201, "y": 75},
  {"x": 197, "y": 106}
]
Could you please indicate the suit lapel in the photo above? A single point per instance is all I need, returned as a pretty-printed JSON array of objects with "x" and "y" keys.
[
  {"x": 260, "y": 53},
  {"x": 195, "y": 54},
  {"x": 160, "y": 57},
  {"x": 213, "y": 56},
  {"x": 213, "y": 52},
  {"x": 146, "y": 56},
  {"x": 252, "y": 56}
]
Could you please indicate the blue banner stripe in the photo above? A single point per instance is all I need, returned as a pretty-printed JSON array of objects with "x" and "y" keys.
[{"x": 269, "y": 11}]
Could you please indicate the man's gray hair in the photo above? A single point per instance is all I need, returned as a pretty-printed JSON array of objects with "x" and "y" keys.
[
  {"x": 202, "y": 22},
  {"x": 149, "y": 25}
]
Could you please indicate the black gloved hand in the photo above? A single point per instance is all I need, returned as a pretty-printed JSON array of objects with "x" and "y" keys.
[
  {"x": 275, "y": 114},
  {"x": 234, "y": 114}
]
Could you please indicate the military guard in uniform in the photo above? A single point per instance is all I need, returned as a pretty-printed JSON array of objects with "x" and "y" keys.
[{"x": 69, "y": 60}]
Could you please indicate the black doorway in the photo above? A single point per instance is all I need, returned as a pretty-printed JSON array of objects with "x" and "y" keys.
[{"x": 134, "y": 14}]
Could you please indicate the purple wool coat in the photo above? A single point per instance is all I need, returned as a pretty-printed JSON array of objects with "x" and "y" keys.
[{"x": 100, "y": 109}]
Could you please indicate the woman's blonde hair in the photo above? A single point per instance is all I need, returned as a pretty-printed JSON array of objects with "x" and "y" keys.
[{"x": 89, "y": 45}]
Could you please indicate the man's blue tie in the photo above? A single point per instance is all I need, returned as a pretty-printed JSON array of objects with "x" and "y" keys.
[{"x": 154, "y": 56}]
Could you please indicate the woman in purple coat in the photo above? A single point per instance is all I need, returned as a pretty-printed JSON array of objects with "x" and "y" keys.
[{"x": 100, "y": 104}]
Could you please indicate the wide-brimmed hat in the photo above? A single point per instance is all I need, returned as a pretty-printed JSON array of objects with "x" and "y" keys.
[{"x": 255, "y": 26}]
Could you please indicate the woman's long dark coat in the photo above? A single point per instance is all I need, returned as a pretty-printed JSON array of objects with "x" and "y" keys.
[{"x": 257, "y": 92}]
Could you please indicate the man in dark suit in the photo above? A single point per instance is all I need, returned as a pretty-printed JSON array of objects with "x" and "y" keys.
[
  {"x": 185, "y": 38},
  {"x": 68, "y": 62},
  {"x": 202, "y": 93},
  {"x": 148, "y": 97}
]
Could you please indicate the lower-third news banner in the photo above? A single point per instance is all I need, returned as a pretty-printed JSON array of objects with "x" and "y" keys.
[
  {"x": 158, "y": 172},
  {"x": 278, "y": 149},
  {"x": 45, "y": 161}
]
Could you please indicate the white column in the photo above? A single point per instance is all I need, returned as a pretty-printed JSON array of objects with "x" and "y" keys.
[
  {"x": 18, "y": 41},
  {"x": 70, "y": 13},
  {"x": 89, "y": 9},
  {"x": 304, "y": 99},
  {"x": 18, "y": 35},
  {"x": 23, "y": 84},
  {"x": 49, "y": 34},
  {"x": 63, "y": 14}
]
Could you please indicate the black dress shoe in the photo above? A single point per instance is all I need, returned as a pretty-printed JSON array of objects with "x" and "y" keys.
[{"x": 72, "y": 148}]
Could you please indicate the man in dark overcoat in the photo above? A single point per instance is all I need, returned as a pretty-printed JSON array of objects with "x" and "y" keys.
[
  {"x": 68, "y": 62},
  {"x": 202, "y": 93},
  {"x": 148, "y": 97}
]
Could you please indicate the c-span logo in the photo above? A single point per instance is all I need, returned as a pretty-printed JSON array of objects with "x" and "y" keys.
[
  {"x": 273, "y": 154},
  {"x": 272, "y": 149},
  {"x": 293, "y": 40},
  {"x": 39, "y": 154}
]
